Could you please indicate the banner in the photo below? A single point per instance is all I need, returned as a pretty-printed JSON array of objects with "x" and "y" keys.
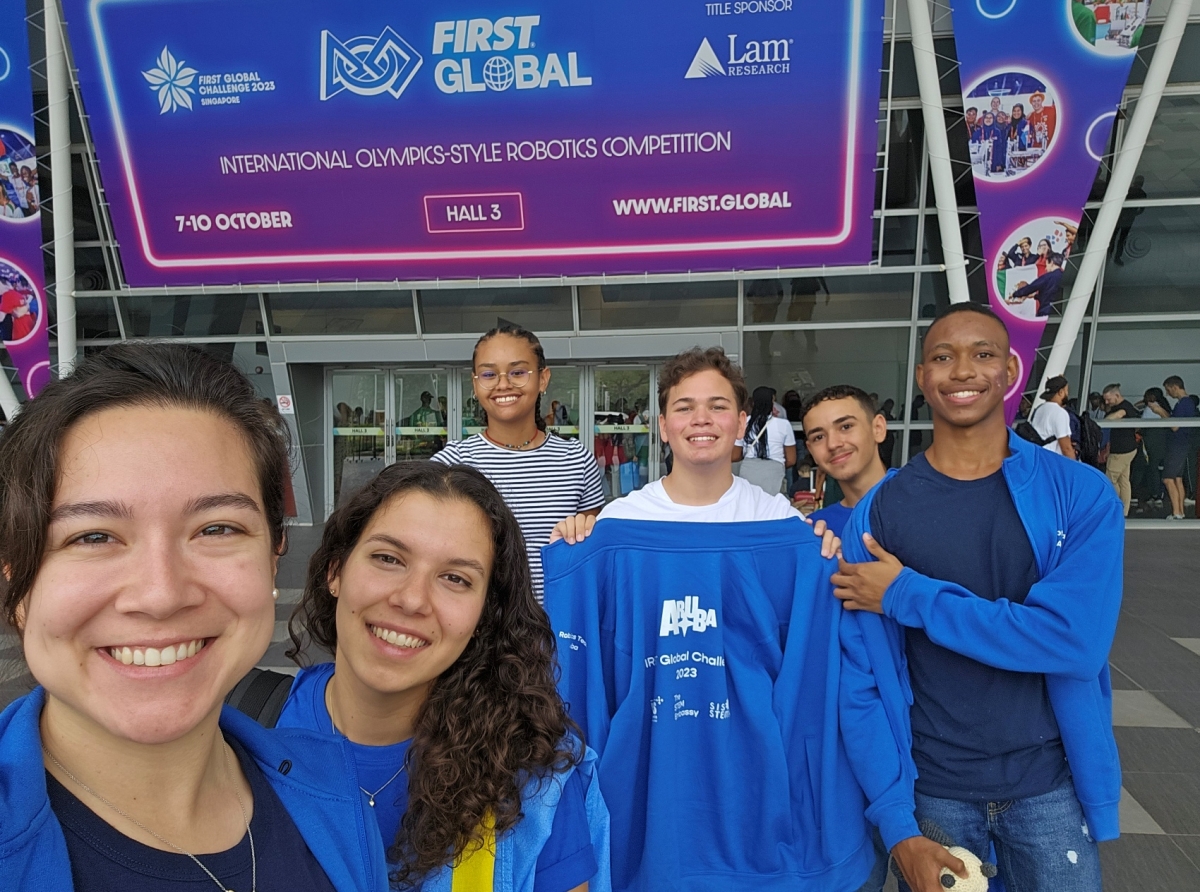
[
  {"x": 253, "y": 141},
  {"x": 23, "y": 321},
  {"x": 1041, "y": 81}
]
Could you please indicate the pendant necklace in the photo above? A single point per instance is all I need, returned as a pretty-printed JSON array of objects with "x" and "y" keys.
[
  {"x": 168, "y": 843},
  {"x": 333, "y": 727}
]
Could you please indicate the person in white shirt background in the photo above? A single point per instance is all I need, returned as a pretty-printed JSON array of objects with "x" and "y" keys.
[
  {"x": 768, "y": 435},
  {"x": 1050, "y": 419},
  {"x": 701, "y": 399}
]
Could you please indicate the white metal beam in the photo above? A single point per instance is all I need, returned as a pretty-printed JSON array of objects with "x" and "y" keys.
[
  {"x": 939, "y": 151},
  {"x": 58, "y": 88}
]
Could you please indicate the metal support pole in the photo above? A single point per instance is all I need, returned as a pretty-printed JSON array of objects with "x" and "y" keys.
[
  {"x": 1118, "y": 187},
  {"x": 8, "y": 397},
  {"x": 58, "y": 88},
  {"x": 939, "y": 151}
]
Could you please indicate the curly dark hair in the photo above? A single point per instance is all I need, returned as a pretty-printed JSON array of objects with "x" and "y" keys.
[
  {"x": 494, "y": 719},
  {"x": 697, "y": 359}
]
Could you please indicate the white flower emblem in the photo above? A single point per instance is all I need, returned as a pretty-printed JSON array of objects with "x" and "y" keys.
[{"x": 173, "y": 82}]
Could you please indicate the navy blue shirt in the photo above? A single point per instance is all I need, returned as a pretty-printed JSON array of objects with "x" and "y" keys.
[
  {"x": 836, "y": 516},
  {"x": 105, "y": 860},
  {"x": 568, "y": 858},
  {"x": 979, "y": 733}
]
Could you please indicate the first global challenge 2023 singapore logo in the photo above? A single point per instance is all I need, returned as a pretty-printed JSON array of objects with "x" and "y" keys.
[{"x": 175, "y": 83}]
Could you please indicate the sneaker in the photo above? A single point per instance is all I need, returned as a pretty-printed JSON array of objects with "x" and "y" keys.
[
  {"x": 1189, "y": 501},
  {"x": 1174, "y": 517},
  {"x": 1157, "y": 503}
]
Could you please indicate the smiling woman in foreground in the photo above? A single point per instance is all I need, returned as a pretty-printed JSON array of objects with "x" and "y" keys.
[
  {"x": 141, "y": 522},
  {"x": 443, "y": 681}
]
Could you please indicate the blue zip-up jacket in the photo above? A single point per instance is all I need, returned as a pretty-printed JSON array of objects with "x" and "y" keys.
[
  {"x": 516, "y": 850},
  {"x": 312, "y": 774},
  {"x": 702, "y": 662},
  {"x": 1064, "y": 629}
]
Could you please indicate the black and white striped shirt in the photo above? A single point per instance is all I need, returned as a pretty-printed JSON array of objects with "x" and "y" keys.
[{"x": 541, "y": 486}]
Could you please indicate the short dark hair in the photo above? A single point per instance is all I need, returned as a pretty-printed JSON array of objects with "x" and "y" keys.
[
  {"x": 691, "y": 362},
  {"x": 1174, "y": 381},
  {"x": 964, "y": 307},
  {"x": 840, "y": 392},
  {"x": 168, "y": 376}
]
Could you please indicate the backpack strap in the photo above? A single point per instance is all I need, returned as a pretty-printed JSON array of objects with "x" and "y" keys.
[{"x": 261, "y": 695}]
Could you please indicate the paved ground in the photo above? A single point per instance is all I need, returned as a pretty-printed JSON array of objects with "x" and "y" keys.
[{"x": 1156, "y": 702}]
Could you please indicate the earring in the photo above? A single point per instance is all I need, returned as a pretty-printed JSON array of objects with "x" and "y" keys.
[{"x": 275, "y": 593}]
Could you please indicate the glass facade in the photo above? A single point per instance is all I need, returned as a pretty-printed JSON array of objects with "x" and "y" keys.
[{"x": 361, "y": 359}]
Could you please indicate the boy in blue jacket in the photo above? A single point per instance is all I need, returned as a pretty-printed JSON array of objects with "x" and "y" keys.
[{"x": 975, "y": 644}]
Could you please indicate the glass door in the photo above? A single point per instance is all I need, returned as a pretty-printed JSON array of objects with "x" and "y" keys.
[
  {"x": 421, "y": 413},
  {"x": 623, "y": 427},
  {"x": 361, "y": 447}
]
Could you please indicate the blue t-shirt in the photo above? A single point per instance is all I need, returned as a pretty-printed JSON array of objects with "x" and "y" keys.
[
  {"x": 1185, "y": 407},
  {"x": 568, "y": 858},
  {"x": 105, "y": 860},
  {"x": 979, "y": 733},
  {"x": 836, "y": 516}
]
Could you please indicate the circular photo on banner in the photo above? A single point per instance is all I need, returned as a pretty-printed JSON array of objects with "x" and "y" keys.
[
  {"x": 1111, "y": 29},
  {"x": 1011, "y": 119},
  {"x": 1029, "y": 268},
  {"x": 20, "y": 304},
  {"x": 20, "y": 198}
]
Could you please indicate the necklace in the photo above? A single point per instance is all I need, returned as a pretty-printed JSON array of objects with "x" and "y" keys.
[
  {"x": 510, "y": 445},
  {"x": 333, "y": 727},
  {"x": 169, "y": 844}
]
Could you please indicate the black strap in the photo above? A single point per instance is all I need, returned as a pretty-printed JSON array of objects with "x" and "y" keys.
[{"x": 261, "y": 695}]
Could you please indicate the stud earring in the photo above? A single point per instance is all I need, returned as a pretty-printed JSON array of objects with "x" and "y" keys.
[{"x": 275, "y": 594}]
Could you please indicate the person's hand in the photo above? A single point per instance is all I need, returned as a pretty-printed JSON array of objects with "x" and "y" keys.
[
  {"x": 862, "y": 586},
  {"x": 831, "y": 545},
  {"x": 574, "y": 529},
  {"x": 921, "y": 861}
]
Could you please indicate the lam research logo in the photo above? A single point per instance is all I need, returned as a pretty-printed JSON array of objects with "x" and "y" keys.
[
  {"x": 367, "y": 66},
  {"x": 172, "y": 80},
  {"x": 706, "y": 63},
  {"x": 751, "y": 57},
  {"x": 681, "y": 617}
]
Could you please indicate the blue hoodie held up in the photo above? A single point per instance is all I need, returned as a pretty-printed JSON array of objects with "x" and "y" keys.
[
  {"x": 312, "y": 774},
  {"x": 702, "y": 663},
  {"x": 1064, "y": 630}
]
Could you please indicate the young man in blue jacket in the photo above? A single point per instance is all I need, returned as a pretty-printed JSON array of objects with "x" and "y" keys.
[
  {"x": 842, "y": 432},
  {"x": 982, "y": 584}
]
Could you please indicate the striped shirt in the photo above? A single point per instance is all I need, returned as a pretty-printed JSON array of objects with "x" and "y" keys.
[{"x": 541, "y": 486}]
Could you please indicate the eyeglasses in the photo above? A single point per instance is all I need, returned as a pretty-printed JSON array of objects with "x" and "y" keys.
[{"x": 516, "y": 377}]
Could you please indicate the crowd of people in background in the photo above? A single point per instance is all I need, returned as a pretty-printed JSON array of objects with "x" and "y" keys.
[
  {"x": 20, "y": 196},
  {"x": 1152, "y": 466}
]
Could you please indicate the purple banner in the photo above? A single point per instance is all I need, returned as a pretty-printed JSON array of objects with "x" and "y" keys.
[
  {"x": 1041, "y": 81},
  {"x": 22, "y": 288},
  {"x": 380, "y": 140}
]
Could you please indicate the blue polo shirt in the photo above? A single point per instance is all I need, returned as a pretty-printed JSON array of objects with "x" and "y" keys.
[
  {"x": 836, "y": 516},
  {"x": 979, "y": 733}
]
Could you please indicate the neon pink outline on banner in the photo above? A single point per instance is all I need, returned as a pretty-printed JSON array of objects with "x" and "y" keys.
[{"x": 857, "y": 37}]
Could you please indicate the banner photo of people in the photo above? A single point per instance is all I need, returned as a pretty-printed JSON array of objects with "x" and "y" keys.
[
  {"x": 23, "y": 323},
  {"x": 377, "y": 140},
  {"x": 1039, "y": 107}
]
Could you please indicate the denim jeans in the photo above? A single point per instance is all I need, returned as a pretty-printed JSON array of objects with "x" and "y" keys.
[{"x": 1042, "y": 843}]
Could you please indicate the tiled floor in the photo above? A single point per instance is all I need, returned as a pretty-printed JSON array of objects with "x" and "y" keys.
[{"x": 1156, "y": 703}]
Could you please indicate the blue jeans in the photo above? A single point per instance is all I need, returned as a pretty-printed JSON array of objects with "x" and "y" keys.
[{"x": 1042, "y": 843}]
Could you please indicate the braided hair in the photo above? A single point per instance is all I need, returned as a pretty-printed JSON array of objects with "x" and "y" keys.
[{"x": 516, "y": 331}]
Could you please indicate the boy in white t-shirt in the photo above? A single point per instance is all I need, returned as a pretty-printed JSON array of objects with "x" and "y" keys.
[{"x": 701, "y": 400}]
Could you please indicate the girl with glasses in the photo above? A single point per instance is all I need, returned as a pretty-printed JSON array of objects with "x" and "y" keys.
[
  {"x": 443, "y": 682},
  {"x": 543, "y": 478},
  {"x": 141, "y": 524}
]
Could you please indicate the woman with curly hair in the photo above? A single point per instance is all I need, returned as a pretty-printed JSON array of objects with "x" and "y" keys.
[{"x": 443, "y": 683}]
